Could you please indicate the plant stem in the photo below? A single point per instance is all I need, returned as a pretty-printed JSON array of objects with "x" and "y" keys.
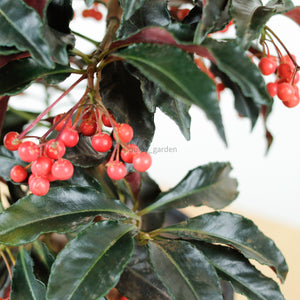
[
  {"x": 85, "y": 37},
  {"x": 50, "y": 107},
  {"x": 6, "y": 263},
  {"x": 10, "y": 256},
  {"x": 82, "y": 55}
]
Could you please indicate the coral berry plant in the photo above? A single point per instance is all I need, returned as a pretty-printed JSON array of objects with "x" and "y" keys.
[{"x": 81, "y": 218}]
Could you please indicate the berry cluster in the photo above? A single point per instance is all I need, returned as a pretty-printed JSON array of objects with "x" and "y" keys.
[
  {"x": 46, "y": 158},
  {"x": 287, "y": 77},
  {"x": 93, "y": 13}
]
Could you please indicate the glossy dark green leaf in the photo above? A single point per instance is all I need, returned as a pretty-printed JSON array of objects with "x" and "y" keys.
[
  {"x": 5, "y": 50},
  {"x": 152, "y": 13},
  {"x": 234, "y": 230},
  {"x": 121, "y": 94},
  {"x": 174, "y": 71},
  {"x": 212, "y": 11},
  {"x": 91, "y": 264},
  {"x": 208, "y": 185},
  {"x": 41, "y": 251},
  {"x": 245, "y": 106},
  {"x": 184, "y": 270},
  {"x": 139, "y": 278},
  {"x": 130, "y": 6},
  {"x": 25, "y": 38},
  {"x": 250, "y": 17},
  {"x": 244, "y": 277},
  {"x": 57, "y": 33},
  {"x": 25, "y": 286},
  {"x": 61, "y": 210},
  {"x": 16, "y": 76},
  {"x": 8, "y": 159},
  {"x": 178, "y": 111},
  {"x": 234, "y": 62}
]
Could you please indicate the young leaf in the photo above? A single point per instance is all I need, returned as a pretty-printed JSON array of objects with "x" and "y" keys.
[
  {"x": 244, "y": 277},
  {"x": 16, "y": 76},
  {"x": 234, "y": 62},
  {"x": 130, "y": 6},
  {"x": 25, "y": 38},
  {"x": 24, "y": 283},
  {"x": 208, "y": 185},
  {"x": 121, "y": 94},
  {"x": 250, "y": 17},
  {"x": 61, "y": 210},
  {"x": 139, "y": 279},
  {"x": 174, "y": 71},
  {"x": 184, "y": 270},
  {"x": 91, "y": 264},
  {"x": 236, "y": 231}
]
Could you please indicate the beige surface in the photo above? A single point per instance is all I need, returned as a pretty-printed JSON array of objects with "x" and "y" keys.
[{"x": 287, "y": 240}]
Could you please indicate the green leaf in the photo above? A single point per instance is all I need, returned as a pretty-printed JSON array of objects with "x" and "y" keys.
[
  {"x": 16, "y": 76},
  {"x": 208, "y": 185},
  {"x": 25, "y": 286},
  {"x": 121, "y": 94},
  {"x": 234, "y": 62},
  {"x": 41, "y": 251},
  {"x": 139, "y": 279},
  {"x": 88, "y": 2},
  {"x": 174, "y": 71},
  {"x": 61, "y": 210},
  {"x": 244, "y": 277},
  {"x": 5, "y": 50},
  {"x": 212, "y": 12},
  {"x": 29, "y": 37},
  {"x": 152, "y": 13},
  {"x": 251, "y": 16},
  {"x": 184, "y": 270},
  {"x": 234, "y": 230},
  {"x": 130, "y": 6},
  {"x": 8, "y": 159},
  {"x": 91, "y": 264}
]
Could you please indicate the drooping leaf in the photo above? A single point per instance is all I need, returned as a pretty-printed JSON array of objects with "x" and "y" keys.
[
  {"x": 250, "y": 17},
  {"x": 234, "y": 62},
  {"x": 8, "y": 159},
  {"x": 58, "y": 15},
  {"x": 121, "y": 94},
  {"x": 174, "y": 71},
  {"x": 16, "y": 76},
  {"x": 234, "y": 230},
  {"x": 139, "y": 278},
  {"x": 130, "y": 6},
  {"x": 244, "y": 277},
  {"x": 61, "y": 210},
  {"x": 25, "y": 38},
  {"x": 151, "y": 13},
  {"x": 245, "y": 106},
  {"x": 91, "y": 264},
  {"x": 208, "y": 185},
  {"x": 212, "y": 11},
  {"x": 24, "y": 283},
  {"x": 184, "y": 270}
]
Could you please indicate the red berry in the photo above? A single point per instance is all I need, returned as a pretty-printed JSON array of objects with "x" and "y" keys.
[
  {"x": 293, "y": 101},
  {"x": 86, "y": 13},
  {"x": 60, "y": 120},
  {"x": 272, "y": 88},
  {"x": 182, "y": 13},
  {"x": 116, "y": 170},
  {"x": 18, "y": 173},
  {"x": 297, "y": 77},
  {"x": 88, "y": 128},
  {"x": 285, "y": 71},
  {"x": 11, "y": 141},
  {"x": 101, "y": 142},
  {"x": 285, "y": 91},
  {"x": 55, "y": 149},
  {"x": 142, "y": 161},
  {"x": 89, "y": 114},
  {"x": 29, "y": 151},
  {"x": 62, "y": 169},
  {"x": 97, "y": 15},
  {"x": 69, "y": 137},
  {"x": 286, "y": 59},
  {"x": 39, "y": 185},
  {"x": 106, "y": 120},
  {"x": 41, "y": 166},
  {"x": 124, "y": 132},
  {"x": 267, "y": 65},
  {"x": 128, "y": 152}
]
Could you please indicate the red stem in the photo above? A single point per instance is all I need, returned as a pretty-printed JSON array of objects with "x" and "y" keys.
[
  {"x": 3, "y": 108},
  {"x": 50, "y": 107}
]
